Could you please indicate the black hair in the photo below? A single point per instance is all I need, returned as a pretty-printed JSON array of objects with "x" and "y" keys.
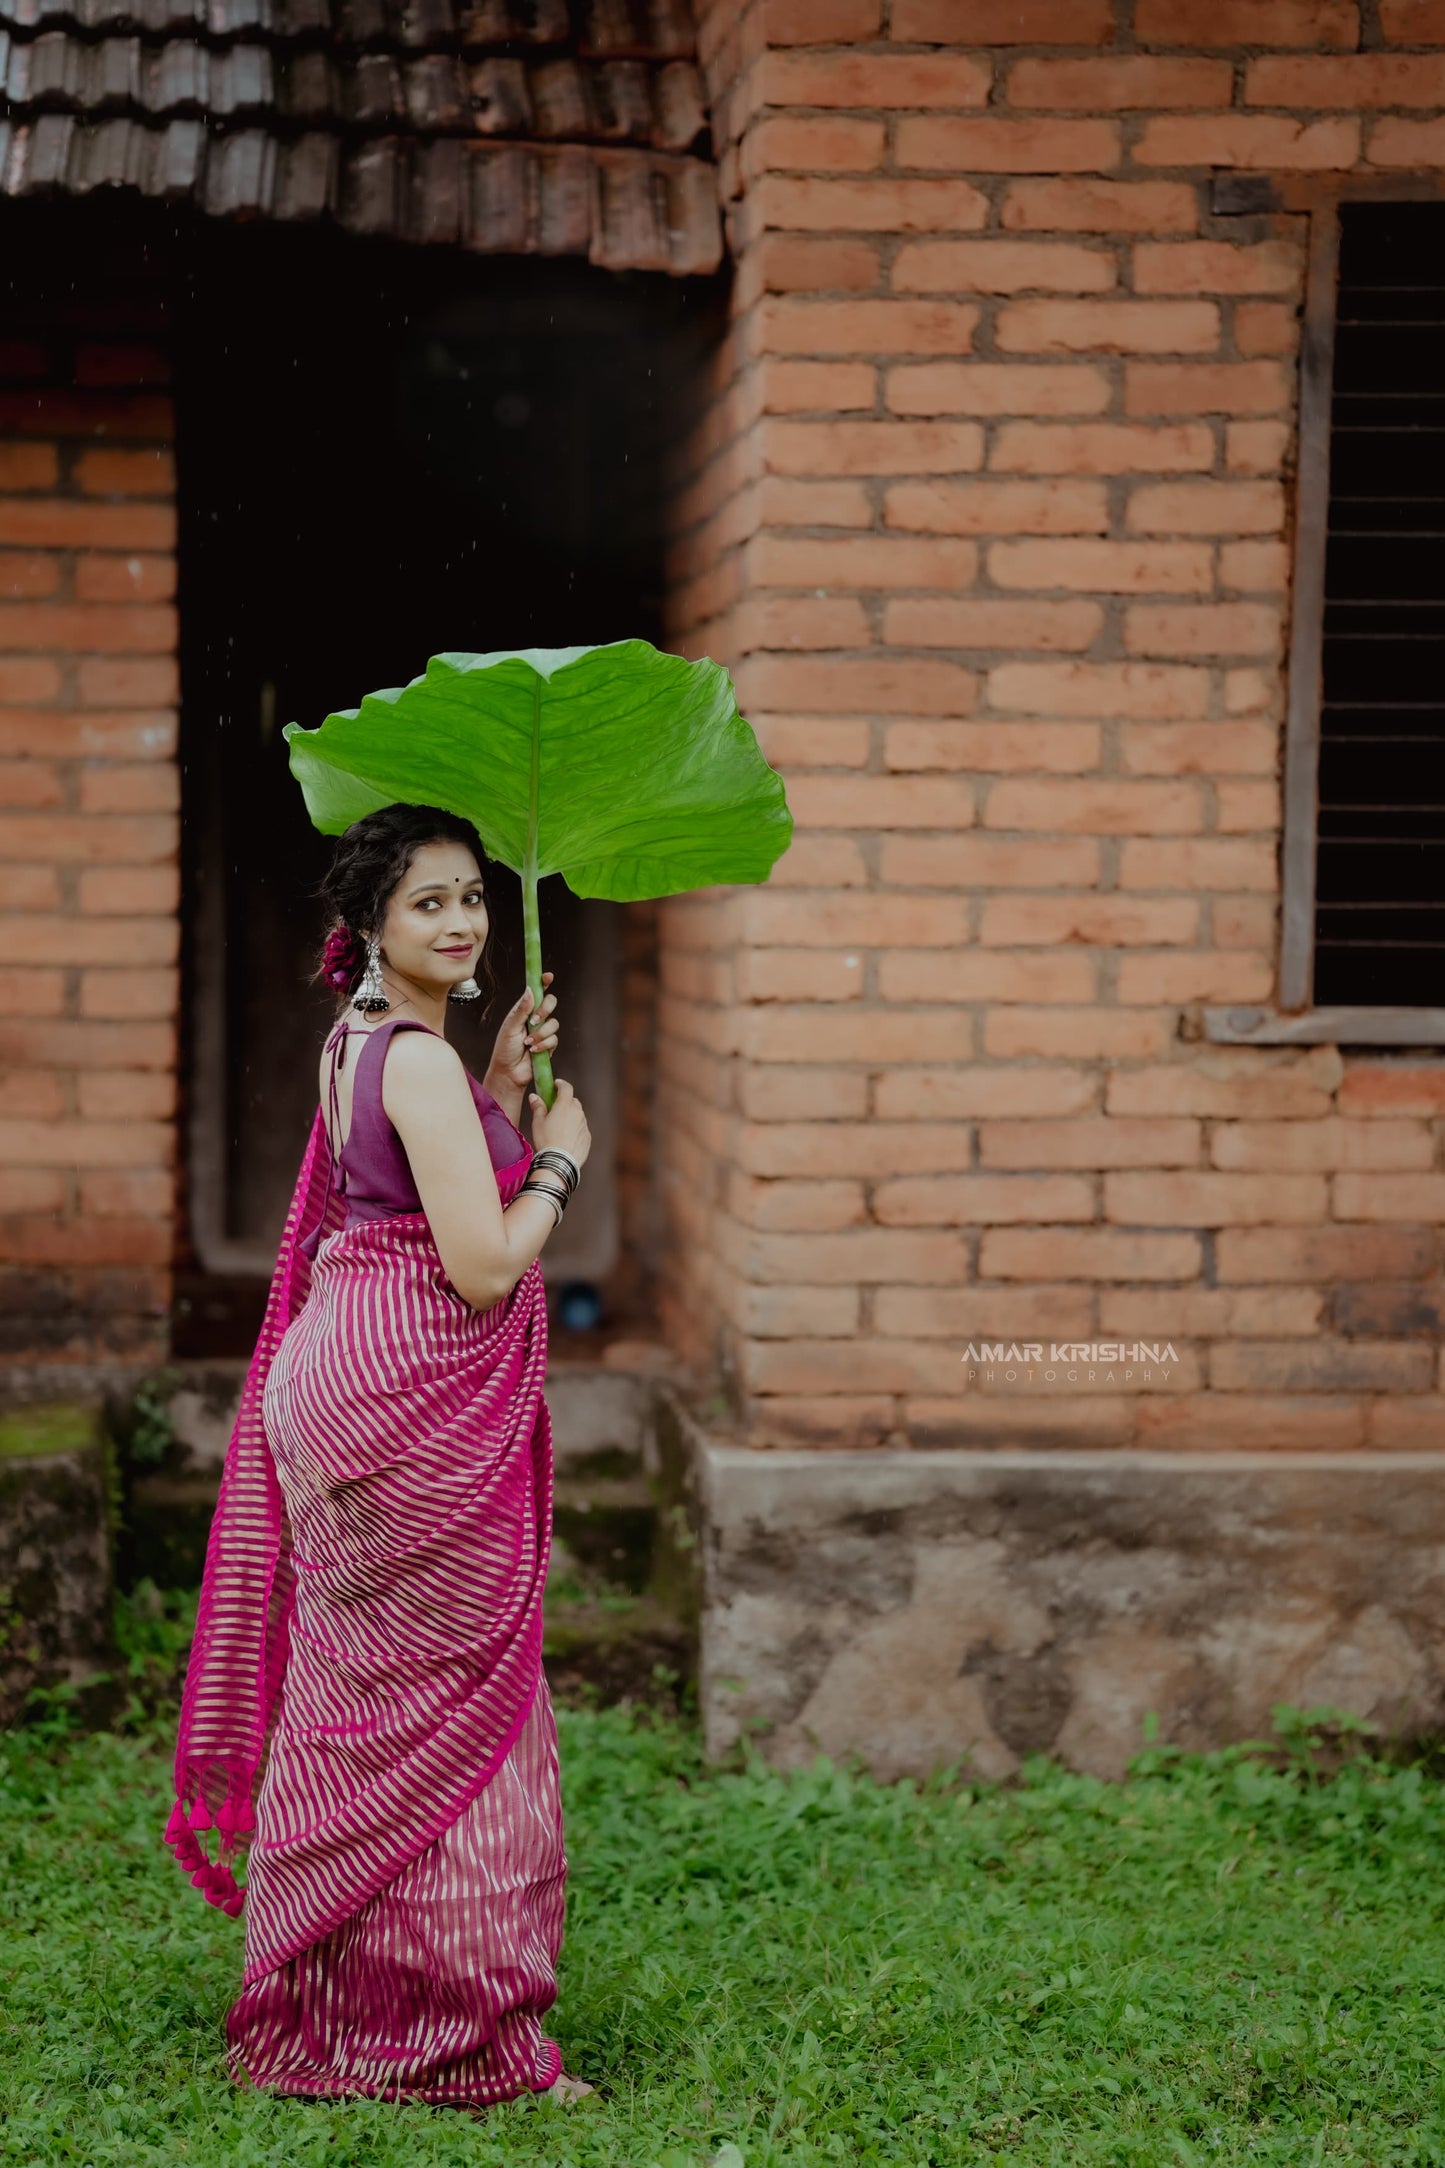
[{"x": 370, "y": 859}]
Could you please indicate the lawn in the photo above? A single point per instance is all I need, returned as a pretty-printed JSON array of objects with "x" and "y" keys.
[{"x": 1222, "y": 1960}]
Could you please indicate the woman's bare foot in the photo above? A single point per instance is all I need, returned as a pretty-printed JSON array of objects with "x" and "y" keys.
[{"x": 567, "y": 2087}]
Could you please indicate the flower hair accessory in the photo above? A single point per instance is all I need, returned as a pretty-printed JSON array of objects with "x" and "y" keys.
[{"x": 341, "y": 958}]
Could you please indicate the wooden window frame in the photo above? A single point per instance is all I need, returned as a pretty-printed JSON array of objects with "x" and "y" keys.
[{"x": 1294, "y": 1020}]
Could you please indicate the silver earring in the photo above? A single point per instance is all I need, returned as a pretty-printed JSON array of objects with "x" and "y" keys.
[
  {"x": 467, "y": 991},
  {"x": 371, "y": 996}
]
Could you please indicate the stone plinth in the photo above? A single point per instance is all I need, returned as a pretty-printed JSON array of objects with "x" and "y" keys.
[
  {"x": 55, "y": 1574},
  {"x": 921, "y": 1609}
]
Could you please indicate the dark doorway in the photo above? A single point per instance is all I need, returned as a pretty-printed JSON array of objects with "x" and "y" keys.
[{"x": 383, "y": 454}]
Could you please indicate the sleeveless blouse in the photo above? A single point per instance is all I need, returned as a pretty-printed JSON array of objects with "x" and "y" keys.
[{"x": 372, "y": 1171}]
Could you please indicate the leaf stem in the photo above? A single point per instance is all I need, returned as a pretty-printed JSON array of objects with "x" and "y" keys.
[{"x": 531, "y": 920}]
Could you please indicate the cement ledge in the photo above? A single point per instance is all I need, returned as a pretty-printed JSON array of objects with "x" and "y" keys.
[{"x": 921, "y": 1608}]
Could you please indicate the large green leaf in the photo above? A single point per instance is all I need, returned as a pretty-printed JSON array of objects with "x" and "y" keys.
[{"x": 627, "y": 771}]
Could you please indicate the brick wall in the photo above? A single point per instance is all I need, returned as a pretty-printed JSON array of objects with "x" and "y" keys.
[
  {"x": 88, "y": 883},
  {"x": 990, "y": 517}
]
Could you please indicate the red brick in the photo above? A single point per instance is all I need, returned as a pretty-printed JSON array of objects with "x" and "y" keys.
[
  {"x": 125, "y": 579},
  {"x": 850, "y": 920},
  {"x": 1206, "y": 1313},
  {"x": 1076, "y": 1034},
  {"x": 1207, "y": 507},
  {"x": 918, "y": 1095},
  {"x": 1108, "y": 327},
  {"x": 865, "y": 447},
  {"x": 1105, "y": 921},
  {"x": 861, "y": 561},
  {"x": 28, "y": 466},
  {"x": 114, "y": 365},
  {"x": 1122, "y": 82},
  {"x": 807, "y": 741},
  {"x": 1183, "y": 1199},
  {"x": 32, "y": 937},
  {"x": 1205, "y": 387},
  {"x": 57, "y": 523},
  {"x": 1199, "y": 862},
  {"x": 25, "y": 574},
  {"x": 1208, "y": 1422},
  {"x": 93, "y": 627},
  {"x": 981, "y": 1313},
  {"x": 869, "y": 205},
  {"x": 820, "y": 22},
  {"x": 1247, "y": 22},
  {"x": 1002, "y": 267},
  {"x": 1035, "y": 1420},
  {"x": 1414, "y": 1425},
  {"x": 990, "y": 388},
  {"x": 858, "y": 686},
  {"x": 32, "y": 993},
  {"x": 1413, "y": 22},
  {"x": 30, "y": 783},
  {"x": 29, "y": 888},
  {"x": 1361, "y": 80},
  {"x": 1255, "y": 447},
  {"x": 1100, "y": 206},
  {"x": 1320, "y": 1366},
  {"x": 982, "y": 1200},
  {"x": 1250, "y": 139},
  {"x": 1112, "y": 806},
  {"x": 784, "y": 502},
  {"x": 1244, "y": 922},
  {"x": 827, "y": 861},
  {"x": 1324, "y": 1145},
  {"x": 1103, "y": 567},
  {"x": 67, "y": 839},
  {"x": 125, "y": 474},
  {"x": 869, "y": 1149},
  {"x": 126, "y": 1095},
  {"x": 787, "y": 263},
  {"x": 85, "y": 1144},
  {"x": 981, "y": 861},
  {"x": 129, "y": 787},
  {"x": 992, "y": 145},
  {"x": 124, "y": 1194},
  {"x": 822, "y": 387},
  {"x": 1254, "y": 567},
  {"x": 1095, "y": 1142},
  {"x": 1389, "y": 1197},
  {"x": 1407, "y": 143},
  {"x": 88, "y": 1242},
  {"x": 838, "y": 1421},
  {"x": 1263, "y": 1254},
  {"x": 48, "y": 412},
  {"x": 1215, "y": 748},
  {"x": 868, "y": 327},
  {"x": 880, "y": 801},
  {"x": 858, "y": 1256},
  {"x": 128, "y": 993},
  {"x": 1232, "y": 1083},
  {"x": 1207, "y": 976},
  {"x": 27, "y": 679},
  {"x": 109, "y": 683},
  {"x": 857, "y": 1366},
  {"x": 30, "y": 1189},
  {"x": 1087, "y": 1253},
  {"x": 1387, "y": 1092},
  {"x": 1062, "y": 748},
  {"x": 796, "y": 1207},
  {"x": 977, "y": 975},
  {"x": 1005, "y": 22},
  {"x": 1202, "y": 629},
  {"x": 1147, "y": 691},
  {"x": 850, "y": 1033},
  {"x": 798, "y": 975},
  {"x": 988, "y": 507},
  {"x": 1217, "y": 267},
  {"x": 800, "y": 621},
  {"x": 786, "y": 1094},
  {"x": 872, "y": 80},
  {"x": 85, "y": 1045},
  {"x": 1265, "y": 327},
  {"x": 786, "y": 1313},
  {"x": 939, "y": 621},
  {"x": 1102, "y": 448},
  {"x": 140, "y": 889}
]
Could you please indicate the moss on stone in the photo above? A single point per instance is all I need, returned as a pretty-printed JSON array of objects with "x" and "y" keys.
[{"x": 57, "y": 1427}]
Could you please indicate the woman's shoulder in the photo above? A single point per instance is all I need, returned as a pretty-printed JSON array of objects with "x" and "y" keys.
[{"x": 415, "y": 1055}]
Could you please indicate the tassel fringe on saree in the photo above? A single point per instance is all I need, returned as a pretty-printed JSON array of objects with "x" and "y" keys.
[{"x": 370, "y": 1631}]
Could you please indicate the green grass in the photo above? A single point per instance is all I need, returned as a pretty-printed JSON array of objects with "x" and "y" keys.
[{"x": 1219, "y": 1961}]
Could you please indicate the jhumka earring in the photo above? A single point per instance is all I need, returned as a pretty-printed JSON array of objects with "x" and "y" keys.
[
  {"x": 467, "y": 991},
  {"x": 371, "y": 995}
]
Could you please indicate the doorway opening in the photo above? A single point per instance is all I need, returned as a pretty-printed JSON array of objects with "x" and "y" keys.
[{"x": 384, "y": 453}]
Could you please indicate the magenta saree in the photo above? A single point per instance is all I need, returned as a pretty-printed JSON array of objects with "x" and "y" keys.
[{"x": 370, "y": 1631}]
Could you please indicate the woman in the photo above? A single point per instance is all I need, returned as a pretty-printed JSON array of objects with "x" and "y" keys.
[{"x": 370, "y": 1624}]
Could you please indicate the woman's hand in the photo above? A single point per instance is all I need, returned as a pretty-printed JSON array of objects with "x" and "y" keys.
[
  {"x": 509, "y": 1071},
  {"x": 563, "y": 1123}
]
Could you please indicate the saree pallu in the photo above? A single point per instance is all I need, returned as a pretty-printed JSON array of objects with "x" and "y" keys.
[{"x": 405, "y": 1895}]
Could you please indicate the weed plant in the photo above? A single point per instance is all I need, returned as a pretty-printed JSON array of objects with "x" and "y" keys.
[{"x": 1232, "y": 1958}]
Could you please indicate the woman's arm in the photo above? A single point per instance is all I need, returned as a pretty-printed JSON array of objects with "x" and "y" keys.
[{"x": 484, "y": 1249}]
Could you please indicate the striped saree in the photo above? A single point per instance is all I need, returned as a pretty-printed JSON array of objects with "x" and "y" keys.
[{"x": 365, "y": 1698}]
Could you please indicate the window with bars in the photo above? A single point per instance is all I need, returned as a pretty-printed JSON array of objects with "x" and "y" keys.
[{"x": 1363, "y": 942}]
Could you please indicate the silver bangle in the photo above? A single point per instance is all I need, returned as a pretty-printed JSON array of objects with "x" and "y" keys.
[{"x": 555, "y": 1151}]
